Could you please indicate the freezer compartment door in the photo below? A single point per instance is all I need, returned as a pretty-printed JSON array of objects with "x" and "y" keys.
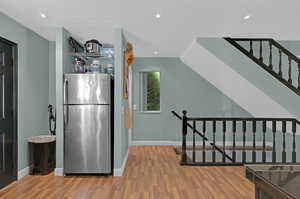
[
  {"x": 86, "y": 88},
  {"x": 87, "y": 139}
]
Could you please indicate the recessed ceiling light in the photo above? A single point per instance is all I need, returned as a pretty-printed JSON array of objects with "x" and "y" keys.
[
  {"x": 155, "y": 52},
  {"x": 157, "y": 15},
  {"x": 43, "y": 15},
  {"x": 247, "y": 17}
]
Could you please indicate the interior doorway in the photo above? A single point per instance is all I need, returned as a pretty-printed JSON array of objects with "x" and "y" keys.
[{"x": 8, "y": 112}]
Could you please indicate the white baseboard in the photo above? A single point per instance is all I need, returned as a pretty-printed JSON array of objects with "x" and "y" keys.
[
  {"x": 23, "y": 172},
  {"x": 58, "y": 172},
  {"x": 119, "y": 171}
]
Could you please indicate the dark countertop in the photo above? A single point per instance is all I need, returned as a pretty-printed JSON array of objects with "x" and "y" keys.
[{"x": 280, "y": 179}]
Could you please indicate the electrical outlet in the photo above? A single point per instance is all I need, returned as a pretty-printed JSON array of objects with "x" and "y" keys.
[{"x": 135, "y": 107}]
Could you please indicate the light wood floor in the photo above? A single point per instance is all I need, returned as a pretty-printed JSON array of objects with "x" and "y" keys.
[{"x": 151, "y": 172}]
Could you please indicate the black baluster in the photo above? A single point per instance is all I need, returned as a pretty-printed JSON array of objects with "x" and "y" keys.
[
  {"x": 290, "y": 71},
  {"x": 251, "y": 48},
  {"x": 184, "y": 132},
  {"x": 254, "y": 141},
  {"x": 280, "y": 62},
  {"x": 203, "y": 143},
  {"x": 264, "y": 141},
  {"x": 234, "y": 131},
  {"x": 270, "y": 57},
  {"x": 224, "y": 140},
  {"x": 214, "y": 141},
  {"x": 244, "y": 142},
  {"x": 260, "y": 51},
  {"x": 294, "y": 141},
  {"x": 283, "y": 141},
  {"x": 274, "y": 141},
  {"x": 194, "y": 141},
  {"x": 298, "y": 76}
]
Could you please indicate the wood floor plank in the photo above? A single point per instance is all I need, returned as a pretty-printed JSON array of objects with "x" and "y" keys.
[{"x": 152, "y": 172}]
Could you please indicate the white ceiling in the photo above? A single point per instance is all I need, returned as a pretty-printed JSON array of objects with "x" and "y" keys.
[{"x": 180, "y": 22}]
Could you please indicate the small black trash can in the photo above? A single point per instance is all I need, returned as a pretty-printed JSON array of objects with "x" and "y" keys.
[{"x": 42, "y": 154}]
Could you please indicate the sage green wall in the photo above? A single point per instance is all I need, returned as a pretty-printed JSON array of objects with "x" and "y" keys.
[
  {"x": 255, "y": 74},
  {"x": 52, "y": 72},
  {"x": 33, "y": 84},
  {"x": 120, "y": 133},
  {"x": 181, "y": 89},
  {"x": 63, "y": 65}
]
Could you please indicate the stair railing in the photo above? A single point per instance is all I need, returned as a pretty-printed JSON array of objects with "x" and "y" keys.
[
  {"x": 253, "y": 154},
  {"x": 195, "y": 131},
  {"x": 284, "y": 71}
]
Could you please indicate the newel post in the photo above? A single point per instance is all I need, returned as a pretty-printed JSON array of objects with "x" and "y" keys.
[{"x": 184, "y": 133}]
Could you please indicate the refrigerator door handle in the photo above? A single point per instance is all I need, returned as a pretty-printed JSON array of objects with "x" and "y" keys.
[
  {"x": 66, "y": 91},
  {"x": 66, "y": 115},
  {"x": 66, "y": 108}
]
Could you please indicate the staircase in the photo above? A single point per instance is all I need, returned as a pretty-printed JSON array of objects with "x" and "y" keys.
[
  {"x": 279, "y": 69},
  {"x": 239, "y": 78},
  {"x": 287, "y": 73},
  {"x": 224, "y": 133}
]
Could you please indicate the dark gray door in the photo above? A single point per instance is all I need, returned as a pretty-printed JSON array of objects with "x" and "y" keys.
[{"x": 6, "y": 115}]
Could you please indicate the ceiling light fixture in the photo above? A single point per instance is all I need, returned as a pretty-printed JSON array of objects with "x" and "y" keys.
[
  {"x": 247, "y": 17},
  {"x": 43, "y": 15},
  {"x": 157, "y": 15}
]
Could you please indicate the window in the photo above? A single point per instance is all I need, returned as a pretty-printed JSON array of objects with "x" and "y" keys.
[{"x": 150, "y": 92}]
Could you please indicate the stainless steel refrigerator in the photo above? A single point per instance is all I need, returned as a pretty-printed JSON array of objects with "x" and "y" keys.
[{"x": 87, "y": 125}]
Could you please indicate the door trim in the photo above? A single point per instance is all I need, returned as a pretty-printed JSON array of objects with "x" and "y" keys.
[{"x": 15, "y": 105}]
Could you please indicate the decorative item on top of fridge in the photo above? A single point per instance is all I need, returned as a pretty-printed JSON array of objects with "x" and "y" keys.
[
  {"x": 110, "y": 69},
  {"x": 79, "y": 65},
  {"x": 94, "y": 67},
  {"x": 75, "y": 46},
  {"x": 96, "y": 58},
  {"x": 93, "y": 46}
]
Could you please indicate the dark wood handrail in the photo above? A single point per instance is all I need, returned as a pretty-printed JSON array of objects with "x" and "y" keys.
[
  {"x": 239, "y": 119},
  {"x": 285, "y": 51},
  {"x": 250, "y": 39},
  {"x": 270, "y": 119},
  {"x": 243, "y": 158},
  {"x": 269, "y": 68},
  {"x": 274, "y": 43},
  {"x": 190, "y": 126},
  {"x": 203, "y": 137}
]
